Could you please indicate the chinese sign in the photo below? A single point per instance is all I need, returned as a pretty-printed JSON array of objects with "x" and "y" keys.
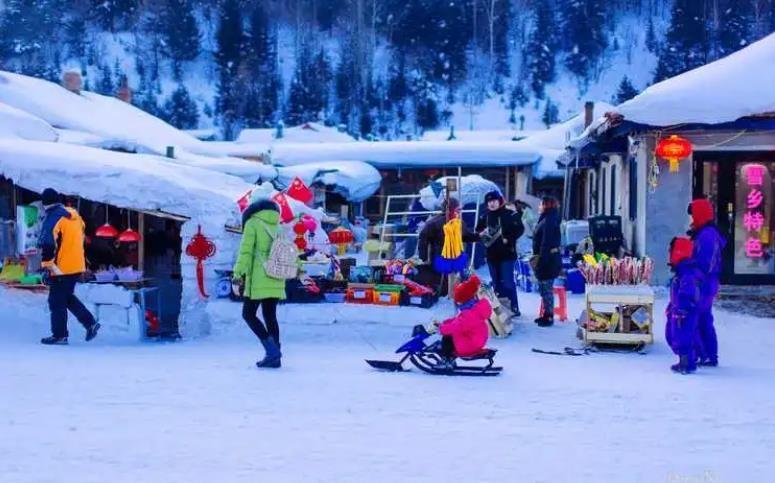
[{"x": 754, "y": 217}]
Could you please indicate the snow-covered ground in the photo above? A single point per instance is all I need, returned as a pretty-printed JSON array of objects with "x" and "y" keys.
[{"x": 118, "y": 410}]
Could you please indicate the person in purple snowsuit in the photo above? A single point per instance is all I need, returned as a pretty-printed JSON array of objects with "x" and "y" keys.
[
  {"x": 708, "y": 251},
  {"x": 682, "y": 311}
]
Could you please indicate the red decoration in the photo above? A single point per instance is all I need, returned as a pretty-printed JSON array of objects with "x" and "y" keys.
[
  {"x": 299, "y": 191},
  {"x": 286, "y": 213},
  {"x": 106, "y": 231},
  {"x": 200, "y": 248},
  {"x": 674, "y": 149},
  {"x": 300, "y": 229},
  {"x": 129, "y": 236},
  {"x": 244, "y": 202},
  {"x": 341, "y": 237}
]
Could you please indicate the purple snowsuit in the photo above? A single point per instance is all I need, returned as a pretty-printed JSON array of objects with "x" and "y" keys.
[
  {"x": 708, "y": 250},
  {"x": 683, "y": 309}
]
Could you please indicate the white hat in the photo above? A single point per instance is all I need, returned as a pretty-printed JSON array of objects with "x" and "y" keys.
[{"x": 262, "y": 192}]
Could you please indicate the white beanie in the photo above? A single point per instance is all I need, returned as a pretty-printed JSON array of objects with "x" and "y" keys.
[{"x": 262, "y": 192}]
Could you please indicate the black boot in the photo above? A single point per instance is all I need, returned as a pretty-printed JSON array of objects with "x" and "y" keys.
[
  {"x": 51, "y": 340},
  {"x": 91, "y": 332},
  {"x": 545, "y": 321},
  {"x": 273, "y": 354}
]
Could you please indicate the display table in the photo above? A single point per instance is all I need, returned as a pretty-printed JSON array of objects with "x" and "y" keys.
[
  {"x": 620, "y": 296},
  {"x": 124, "y": 295}
]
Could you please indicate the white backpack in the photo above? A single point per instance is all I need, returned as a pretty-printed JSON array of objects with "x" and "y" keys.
[{"x": 282, "y": 263}]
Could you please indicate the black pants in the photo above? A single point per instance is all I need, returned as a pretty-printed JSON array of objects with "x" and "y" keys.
[
  {"x": 269, "y": 311},
  {"x": 447, "y": 347},
  {"x": 61, "y": 298}
]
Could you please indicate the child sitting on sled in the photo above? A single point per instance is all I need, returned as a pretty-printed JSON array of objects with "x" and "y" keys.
[
  {"x": 682, "y": 315},
  {"x": 466, "y": 334}
]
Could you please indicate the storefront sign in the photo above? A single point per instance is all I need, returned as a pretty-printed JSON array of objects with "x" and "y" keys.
[{"x": 754, "y": 217}]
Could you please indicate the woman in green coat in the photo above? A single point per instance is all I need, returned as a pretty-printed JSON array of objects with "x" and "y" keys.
[{"x": 260, "y": 225}]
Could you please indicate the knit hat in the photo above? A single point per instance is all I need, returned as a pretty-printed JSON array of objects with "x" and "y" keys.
[
  {"x": 466, "y": 291},
  {"x": 263, "y": 192},
  {"x": 49, "y": 197},
  {"x": 681, "y": 248},
  {"x": 702, "y": 212},
  {"x": 492, "y": 196}
]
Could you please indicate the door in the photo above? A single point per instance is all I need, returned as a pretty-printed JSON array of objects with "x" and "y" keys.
[{"x": 741, "y": 187}]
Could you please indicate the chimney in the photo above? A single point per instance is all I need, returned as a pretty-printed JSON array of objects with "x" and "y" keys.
[
  {"x": 71, "y": 80},
  {"x": 124, "y": 92},
  {"x": 589, "y": 112}
]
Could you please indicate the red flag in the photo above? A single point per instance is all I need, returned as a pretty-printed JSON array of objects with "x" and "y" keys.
[
  {"x": 286, "y": 213},
  {"x": 300, "y": 191},
  {"x": 244, "y": 202}
]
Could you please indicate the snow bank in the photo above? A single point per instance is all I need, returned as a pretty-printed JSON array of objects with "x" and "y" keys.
[
  {"x": 736, "y": 86},
  {"x": 485, "y": 135},
  {"x": 551, "y": 143},
  {"x": 307, "y": 133},
  {"x": 15, "y": 123},
  {"x": 354, "y": 180}
]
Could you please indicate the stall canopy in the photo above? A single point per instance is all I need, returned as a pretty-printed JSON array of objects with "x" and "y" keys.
[{"x": 140, "y": 182}]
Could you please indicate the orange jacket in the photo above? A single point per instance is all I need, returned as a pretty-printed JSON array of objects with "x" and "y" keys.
[{"x": 61, "y": 240}]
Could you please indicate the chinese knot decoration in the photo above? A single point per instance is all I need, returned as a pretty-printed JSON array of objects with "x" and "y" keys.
[
  {"x": 674, "y": 149},
  {"x": 201, "y": 248},
  {"x": 754, "y": 219}
]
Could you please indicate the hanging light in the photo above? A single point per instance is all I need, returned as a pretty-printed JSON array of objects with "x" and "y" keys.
[
  {"x": 129, "y": 235},
  {"x": 107, "y": 230}
]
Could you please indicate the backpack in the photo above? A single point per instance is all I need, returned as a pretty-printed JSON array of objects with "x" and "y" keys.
[{"x": 282, "y": 263}]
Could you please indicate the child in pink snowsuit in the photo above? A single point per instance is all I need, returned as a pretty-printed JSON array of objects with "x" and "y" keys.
[{"x": 466, "y": 334}]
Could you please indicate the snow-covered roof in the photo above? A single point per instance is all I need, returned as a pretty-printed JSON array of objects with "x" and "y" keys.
[
  {"x": 485, "y": 135},
  {"x": 739, "y": 85},
  {"x": 136, "y": 181},
  {"x": 473, "y": 190},
  {"x": 306, "y": 133},
  {"x": 18, "y": 124},
  {"x": 397, "y": 154},
  {"x": 551, "y": 143},
  {"x": 354, "y": 180}
]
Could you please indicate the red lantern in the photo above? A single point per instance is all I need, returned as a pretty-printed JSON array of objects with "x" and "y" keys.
[
  {"x": 200, "y": 248},
  {"x": 674, "y": 149},
  {"x": 300, "y": 229},
  {"x": 341, "y": 237},
  {"x": 299, "y": 191}
]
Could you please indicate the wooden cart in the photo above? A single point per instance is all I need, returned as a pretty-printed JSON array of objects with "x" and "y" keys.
[{"x": 618, "y": 296}]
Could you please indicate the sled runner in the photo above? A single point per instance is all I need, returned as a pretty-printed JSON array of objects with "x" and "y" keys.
[{"x": 427, "y": 358}]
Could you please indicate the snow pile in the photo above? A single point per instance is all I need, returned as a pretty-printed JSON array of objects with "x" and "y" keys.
[
  {"x": 551, "y": 143},
  {"x": 485, "y": 135},
  {"x": 736, "y": 86},
  {"x": 15, "y": 123},
  {"x": 354, "y": 180},
  {"x": 307, "y": 133},
  {"x": 474, "y": 187}
]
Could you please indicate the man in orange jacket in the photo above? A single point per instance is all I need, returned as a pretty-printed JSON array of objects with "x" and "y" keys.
[{"x": 61, "y": 241}]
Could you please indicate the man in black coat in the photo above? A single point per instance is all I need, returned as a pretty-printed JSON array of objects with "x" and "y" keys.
[
  {"x": 499, "y": 230},
  {"x": 547, "y": 257}
]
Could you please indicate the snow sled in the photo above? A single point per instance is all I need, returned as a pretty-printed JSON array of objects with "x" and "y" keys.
[{"x": 427, "y": 358}]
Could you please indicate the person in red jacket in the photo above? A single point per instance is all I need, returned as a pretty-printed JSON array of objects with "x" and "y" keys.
[{"x": 466, "y": 334}]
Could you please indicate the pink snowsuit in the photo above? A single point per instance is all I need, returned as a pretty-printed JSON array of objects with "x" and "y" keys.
[{"x": 469, "y": 329}]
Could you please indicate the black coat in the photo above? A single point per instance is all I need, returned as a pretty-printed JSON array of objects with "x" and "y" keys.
[
  {"x": 432, "y": 238},
  {"x": 546, "y": 244},
  {"x": 511, "y": 227}
]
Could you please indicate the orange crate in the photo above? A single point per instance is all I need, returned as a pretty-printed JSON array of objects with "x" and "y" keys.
[
  {"x": 387, "y": 294},
  {"x": 360, "y": 293}
]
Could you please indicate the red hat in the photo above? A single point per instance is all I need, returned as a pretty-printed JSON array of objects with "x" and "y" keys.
[
  {"x": 681, "y": 248},
  {"x": 466, "y": 291},
  {"x": 702, "y": 212}
]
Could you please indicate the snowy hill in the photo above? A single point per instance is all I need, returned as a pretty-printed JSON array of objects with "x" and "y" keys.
[{"x": 385, "y": 69}]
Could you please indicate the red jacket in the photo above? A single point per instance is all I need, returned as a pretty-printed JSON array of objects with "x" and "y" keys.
[{"x": 469, "y": 329}]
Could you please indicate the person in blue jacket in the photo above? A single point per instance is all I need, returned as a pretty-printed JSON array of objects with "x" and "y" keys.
[{"x": 684, "y": 307}]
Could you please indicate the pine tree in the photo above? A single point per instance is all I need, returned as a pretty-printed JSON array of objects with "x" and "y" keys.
[
  {"x": 21, "y": 25},
  {"x": 75, "y": 37},
  {"x": 735, "y": 27},
  {"x": 583, "y": 22},
  {"x": 501, "y": 24},
  {"x": 551, "y": 114},
  {"x": 116, "y": 14},
  {"x": 626, "y": 91},
  {"x": 180, "y": 31},
  {"x": 540, "y": 48},
  {"x": 105, "y": 85},
  {"x": 261, "y": 97},
  {"x": 652, "y": 44},
  {"x": 308, "y": 96},
  {"x": 229, "y": 56},
  {"x": 686, "y": 44},
  {"x": 180, "y": 110}
]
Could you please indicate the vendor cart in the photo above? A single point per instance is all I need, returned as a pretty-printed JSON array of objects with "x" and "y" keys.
[{"x": 620, "y": 300}]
